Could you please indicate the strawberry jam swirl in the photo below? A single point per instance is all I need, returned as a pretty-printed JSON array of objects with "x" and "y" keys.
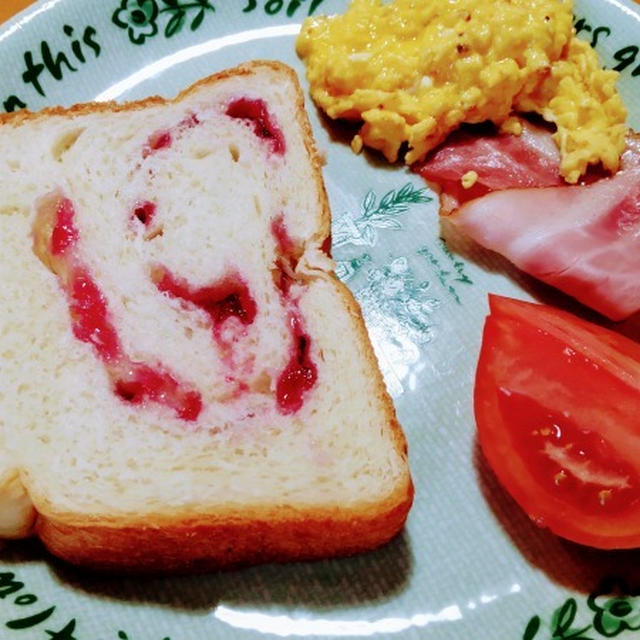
[
  {"x": 255, "y": 113},
  {"x": 300, "y": 374},
  {"x": 227, "y": 302},
  {"x": 137, "y": 383},
  {"x": 221, "y": 300},
  {"x": 164, "y": 138}
]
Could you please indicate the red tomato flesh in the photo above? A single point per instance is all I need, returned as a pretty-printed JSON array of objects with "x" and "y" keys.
[{"x": 557, "y": 406}]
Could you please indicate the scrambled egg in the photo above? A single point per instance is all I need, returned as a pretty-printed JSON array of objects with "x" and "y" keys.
[
  {"x": 414, "y": 70},
  {"x": 583, "y": 102}
]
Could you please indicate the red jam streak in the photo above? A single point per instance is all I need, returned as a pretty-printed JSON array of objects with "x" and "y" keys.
[
  {"x": 163, "y": 138},
  {"x": 134, "y": 382},
  {"x": 572, "y": 461},
  {"x": 300, "y": 374},
  {"x": 263, "y": 123},
  {"x": 141, "y": 383},
  {"x": 89, "y": 312},
  {"x": 282, "y": 278},
  {"x": 326, "y": 246},
  {"x": 222, "y": 300},
  {"x": 144, "y": 212},
  {"x": 284, "y": 242},
  {"x": 288, "y": 254},
  {"x": 157, "y": 140},
  {"x": 64, "y": 234}
]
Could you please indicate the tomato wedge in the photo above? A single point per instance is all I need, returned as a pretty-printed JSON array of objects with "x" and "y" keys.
[{"x": 557, "y": 406}]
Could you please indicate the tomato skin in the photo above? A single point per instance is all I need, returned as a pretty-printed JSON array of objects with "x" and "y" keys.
[{"x": 557, "y": 408}]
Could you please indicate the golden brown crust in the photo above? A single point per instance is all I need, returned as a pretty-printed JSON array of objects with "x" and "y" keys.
[
  {"x": 84, "y": 108},
  {"x": 204, "y": 544}
]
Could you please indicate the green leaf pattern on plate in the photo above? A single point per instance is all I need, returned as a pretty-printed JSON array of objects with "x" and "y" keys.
[
  {"x": 383, "y": 214},
  {"x": 139, "y": 17},
  {"x": 615, "y": 612}
]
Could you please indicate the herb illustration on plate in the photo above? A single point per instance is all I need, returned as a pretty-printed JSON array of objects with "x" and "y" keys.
[
  {"x": 376, "y": 214},
  {"x": 398, "y": 311}
]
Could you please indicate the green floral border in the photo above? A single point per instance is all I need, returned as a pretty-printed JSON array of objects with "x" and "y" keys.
[
  {"x": 140, "y": 18},
  {"x": 613, "y": 609}
]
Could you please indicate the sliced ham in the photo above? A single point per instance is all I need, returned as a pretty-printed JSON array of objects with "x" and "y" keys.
[
  {"x": 582, "y": 239},
  {"x": 501, "y": 161}
]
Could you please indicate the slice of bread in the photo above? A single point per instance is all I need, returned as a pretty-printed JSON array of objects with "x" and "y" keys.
[{"x": 185, "y": 383}]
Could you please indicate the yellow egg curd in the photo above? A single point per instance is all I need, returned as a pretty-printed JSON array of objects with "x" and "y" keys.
[{"x": 412, "y": 71}]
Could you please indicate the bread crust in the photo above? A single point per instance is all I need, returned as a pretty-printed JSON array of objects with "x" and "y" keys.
[
  {"x": 189, "y": 542},
  {"x": 225, "y": 541},
  {"x": 247, "y": 68}
]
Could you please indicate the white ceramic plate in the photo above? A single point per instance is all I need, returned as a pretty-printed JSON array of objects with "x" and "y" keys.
[{"x": 469, "y": 564}]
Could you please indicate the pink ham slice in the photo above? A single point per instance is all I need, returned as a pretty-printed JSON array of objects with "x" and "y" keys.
[
  {"x": 583, "y": 239},
  {"x": 502, "y": 161}
]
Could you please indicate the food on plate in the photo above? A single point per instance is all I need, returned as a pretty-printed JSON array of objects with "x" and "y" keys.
[
  {"x": 186, "y": 384},
  {"x": 581, "y": 239},
  {"x": 498, "y": 160},
  {"x": 556, "y": 404},
  {"x": 413, "y": 72}
]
